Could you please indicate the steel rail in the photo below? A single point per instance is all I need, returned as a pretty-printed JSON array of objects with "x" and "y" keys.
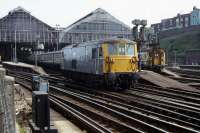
[
  {"x": 189, "y": 101},
  {"x": 171, "y": 90},
  {"x": 154, "y": 106},
  {"x": 91, "y": 125},
  {"x": 136, "y": 114},
  {"x": 125, "y": 120},
  {"x": 145, "y": 100},
  {"x": 193, "y": 113}
]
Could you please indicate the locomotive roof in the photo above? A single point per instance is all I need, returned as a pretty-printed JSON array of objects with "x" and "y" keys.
[{"x": 109, "y": 40}]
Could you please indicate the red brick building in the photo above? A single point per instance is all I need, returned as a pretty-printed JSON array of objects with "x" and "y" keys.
[{"x": 178, "y": 22}]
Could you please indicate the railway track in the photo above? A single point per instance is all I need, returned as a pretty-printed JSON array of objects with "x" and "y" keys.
[
  {"x": 187, "y": 76},
  {"x": 112, "y": 119},
  {"x": 77, "y": 117},
  {"x": 190, "y": 67},
  {"x": 190, "y": 75},
  {"x": 143, "y": 109}
]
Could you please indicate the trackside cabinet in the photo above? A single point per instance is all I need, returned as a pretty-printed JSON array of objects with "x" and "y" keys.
[
  {"x": 40, "y": 109},
  {"x": 40, "y": 122}
]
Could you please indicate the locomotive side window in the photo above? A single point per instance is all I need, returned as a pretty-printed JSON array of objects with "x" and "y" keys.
[
  {"x": 94, "y": 53},
  {"x": 74, "y": 62},
  {"x": 100, "y": 52}
]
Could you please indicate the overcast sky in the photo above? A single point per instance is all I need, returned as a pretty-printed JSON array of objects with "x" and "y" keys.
[{"x": 65, "y": 12}]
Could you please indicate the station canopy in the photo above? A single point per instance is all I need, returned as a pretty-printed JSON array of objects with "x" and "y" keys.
[{"x": 96, "y": 25}]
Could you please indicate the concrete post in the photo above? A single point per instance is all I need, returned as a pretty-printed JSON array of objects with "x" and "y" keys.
[
  {"x": 7, "y": 107},
  {"x": 2, "y": 116},
  {"x": 9, "y": 93},
  {"x": 2, "y": 73},
  {"x": 1, "y": 119}
]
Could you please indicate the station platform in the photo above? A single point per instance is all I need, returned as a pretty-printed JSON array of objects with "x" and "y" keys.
[
  {"x": 163, "y": 81},
  {"x": 36, "y": 69},
  {"x": 61, "y": 123},
  {"x": 170, "y": 73}
]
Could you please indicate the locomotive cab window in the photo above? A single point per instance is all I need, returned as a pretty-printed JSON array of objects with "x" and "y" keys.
[
  {"x": 112, "y": 48},
  {"x": 121, "y": 49},
  {"x": 129, "y": 49}
]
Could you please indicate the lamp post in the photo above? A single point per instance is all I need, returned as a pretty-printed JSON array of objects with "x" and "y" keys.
[
  {"x": 36, "y": 48},
  {"x": 167, "y": 54},
  {"x": 15, "y": 51},
  {"x": 139, "y": 37},
  {"x": 175, "y": 58},
  {"x": 57, "y": 31},
  {"x": 136, "y": 22}
]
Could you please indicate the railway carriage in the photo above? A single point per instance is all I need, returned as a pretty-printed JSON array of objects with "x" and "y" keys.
[{"x": 52, "y": 60}]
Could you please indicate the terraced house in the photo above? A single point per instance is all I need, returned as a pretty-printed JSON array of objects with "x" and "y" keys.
[{"x": 179, "y": 22}]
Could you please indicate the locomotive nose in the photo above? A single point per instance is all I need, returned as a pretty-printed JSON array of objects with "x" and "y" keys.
[{"x": 121, "y": 64}]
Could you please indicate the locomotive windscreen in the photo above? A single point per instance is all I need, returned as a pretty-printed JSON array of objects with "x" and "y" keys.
[{"x": 121, "y": 49}]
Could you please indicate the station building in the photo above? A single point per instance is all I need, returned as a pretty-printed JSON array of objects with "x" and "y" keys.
[
  {"x": 98, "y": 24},
  {"x": 25, "y": 31}
]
